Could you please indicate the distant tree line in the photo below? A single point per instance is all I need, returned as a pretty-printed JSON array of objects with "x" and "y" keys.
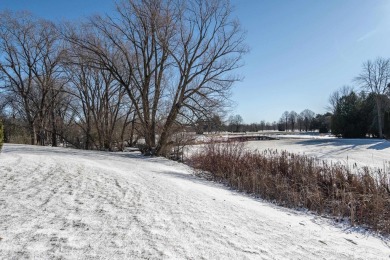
[
  {"x": 305, "y": 121},
  {"x": 146, "y": 72},
  {"x": 352, "y": 114},
  {"x": 234, "y": 123}
]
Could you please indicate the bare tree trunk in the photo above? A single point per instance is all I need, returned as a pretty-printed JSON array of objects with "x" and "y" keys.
[
  {"x": 88, "y": 133},
  {"x": 54, "y": 129},
  {"x": 132, "y": 130},
  {"x": 33, "y": 135},
  {"x": 164, "y": 138}
]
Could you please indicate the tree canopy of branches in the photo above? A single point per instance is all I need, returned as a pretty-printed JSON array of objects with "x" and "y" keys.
[
  {"x": 306, "y": 121},
  {"x": 174, "y": 58},
  {"x": 29, "y": 61},
  {"x": 284, "y": 118},
  {"x": 307, "y": 117},
  {"x": 235, "y": 122},
  {"x": 293, "y": 117},
  {"x": 99, "y": 102}
]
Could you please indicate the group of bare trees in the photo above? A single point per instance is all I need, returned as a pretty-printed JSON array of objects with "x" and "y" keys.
[
  {"x": 53, "y": 97},
  {"x": 143, "y": 72},
  {"x": 307, "y": 120},
  {"x": 30, "y": 55}
]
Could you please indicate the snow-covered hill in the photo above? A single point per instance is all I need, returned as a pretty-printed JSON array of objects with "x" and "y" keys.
[{"x": 72, "y": 204}]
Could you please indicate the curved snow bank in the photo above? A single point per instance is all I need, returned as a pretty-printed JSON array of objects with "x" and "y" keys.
[{"x": 64, "y": 203}]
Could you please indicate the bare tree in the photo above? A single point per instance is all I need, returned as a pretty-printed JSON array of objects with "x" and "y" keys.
[
  {"x": 175, "y": 59},
  {"x": 235, "y": 122},
  {"x": 300, "y": 121},
  {"x": 293, "y": 116},
  {"x": 134, "y": 50},
  {"x": 48, "y": 77},
  {"x": 335, "y": 97},
  {"x": 210, "y": 124},
  {"x": 263, "y": 125},
  {"x": 375, "y": 77},
  {"x": 100, "y": 102},
  {"x": 284, "y": 119},
  {"x": 28, "y": 67},
  {"x": 17, "y": 64},
  {"x": 307, "y": 117}
]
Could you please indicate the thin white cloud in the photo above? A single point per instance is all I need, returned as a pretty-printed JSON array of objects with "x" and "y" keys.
[{"x": 367, "y": 35}]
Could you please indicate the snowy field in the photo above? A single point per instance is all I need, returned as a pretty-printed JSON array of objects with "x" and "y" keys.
[
  {"x": 374, "y": 153},
  {"x": 58, "y": 203},
  {"x": 363, "y": 152}
]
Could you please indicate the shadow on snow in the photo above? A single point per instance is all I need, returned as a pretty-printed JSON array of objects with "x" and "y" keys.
[{"x": 375, "y": 144}]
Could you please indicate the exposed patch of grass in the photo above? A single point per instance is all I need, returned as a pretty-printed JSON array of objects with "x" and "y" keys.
[{"x": 361, "y": 195}]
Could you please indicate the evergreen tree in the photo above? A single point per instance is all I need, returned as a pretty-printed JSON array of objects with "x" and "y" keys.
[
  {"x": 353, "y": 116},
  {"x": 369, "y": 112},
  {"x": 387, "y": 124}
]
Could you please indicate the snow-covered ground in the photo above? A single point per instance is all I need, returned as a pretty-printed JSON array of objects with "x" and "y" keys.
[
  {"x": 58, "y": 203},
  {"x": 363, "y": 152},
  {"x": 374, "y": 153}
]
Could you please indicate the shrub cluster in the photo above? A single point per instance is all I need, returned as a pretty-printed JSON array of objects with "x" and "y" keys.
[{"x": 361, "y": 195}]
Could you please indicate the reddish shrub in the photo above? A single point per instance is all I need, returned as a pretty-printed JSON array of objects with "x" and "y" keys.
[{"x": 361, "y": 195}]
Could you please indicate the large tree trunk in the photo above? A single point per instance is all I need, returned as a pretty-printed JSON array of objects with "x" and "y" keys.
[
  {"x": 54, "y": 130},
  {"x": 132, "y": 129},
  {"x": 150, "y": 140},
  {"x": 166, "y": 133},
  {"x": 88, "y": 133},
  {"x": 33, "y": 136}
]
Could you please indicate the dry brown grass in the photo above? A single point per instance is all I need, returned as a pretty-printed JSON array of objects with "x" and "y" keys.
[{"x": 361, "y": 195}]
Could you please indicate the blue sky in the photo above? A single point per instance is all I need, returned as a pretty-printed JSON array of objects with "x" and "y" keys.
[{"x": 301, "y": 50}]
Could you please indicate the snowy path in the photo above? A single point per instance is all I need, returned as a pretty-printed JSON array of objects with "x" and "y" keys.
[{"x": 70, "y": 204}]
